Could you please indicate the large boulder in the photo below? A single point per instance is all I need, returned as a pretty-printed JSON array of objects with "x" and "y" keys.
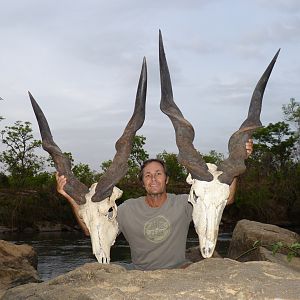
[
  {"x": 214, "y": 278},
  {"x": 278, "y": 258},
  {"x": 18, "y": 265},
  {"x": 246, "y": 233}
]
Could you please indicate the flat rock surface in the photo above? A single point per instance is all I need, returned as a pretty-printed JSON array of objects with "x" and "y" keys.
[{"x": 214, "y": 278}]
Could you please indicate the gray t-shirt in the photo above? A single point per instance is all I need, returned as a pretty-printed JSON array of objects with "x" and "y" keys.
[{"x": 156, "y": 236}]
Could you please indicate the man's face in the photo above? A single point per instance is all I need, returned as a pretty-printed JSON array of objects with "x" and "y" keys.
[{"x": 154, "y": 178}]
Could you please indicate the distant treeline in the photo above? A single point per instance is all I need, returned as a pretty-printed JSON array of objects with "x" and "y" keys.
[{"x": 269, "y": 191}]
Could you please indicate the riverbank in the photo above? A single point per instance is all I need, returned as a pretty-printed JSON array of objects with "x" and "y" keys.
[
  {"x": 60, "y": 252},
  {"x": 274, "y": 273}
]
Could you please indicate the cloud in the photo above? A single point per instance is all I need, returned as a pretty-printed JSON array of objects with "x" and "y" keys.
[{"x": 82, "y": 60}]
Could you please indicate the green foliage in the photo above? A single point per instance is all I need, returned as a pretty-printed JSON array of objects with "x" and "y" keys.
[
  {"x": 26, "y": 208},
  {"x": 292, "y": 249},
  {"x": 67, "y": 154},
  {"x": 273, "y": 145},
  {"x": 19, "y": 158},
  {"x": 105, "y": 165},
  {"x": 137, "y": 156},
  {"x": 41, "y": 180},
  {"x": 291, "y": 113},
  {"x": 131, "y": 189},
  {"x": 269, "y": 190},
  {"x": 84, "y": 173},
  {"x": 4, "y": 181},
  {"x": 213, "y": 157},
  {"x": 176, "y": 171}
]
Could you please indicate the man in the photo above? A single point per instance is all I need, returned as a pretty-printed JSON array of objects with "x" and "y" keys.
[{"x": 155, "y": 226}]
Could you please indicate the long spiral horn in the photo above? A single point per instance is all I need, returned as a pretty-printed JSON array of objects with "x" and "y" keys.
[
  {"x": 188, "y": 155},
  {"x": 73, "y": 187},
  {"x": 118, "y": 168},
  {"x": 234, "y": 165}
]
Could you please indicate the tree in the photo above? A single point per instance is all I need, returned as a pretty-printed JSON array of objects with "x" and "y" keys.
[
  {"x": 137, "y": 156},
  {"x": 84, "y": 173},
  {"x": 291, "y": 113},
  {"x": 19, "y": 158},
  {"x": 67, "y": 154},
  {"x": 273, "y": 146},
  {"x": 213, "y": 157},
  {"x": 175, "y": 170},
  {"x": 105, "y": 165},
  {"x": 269, "y": 190}
]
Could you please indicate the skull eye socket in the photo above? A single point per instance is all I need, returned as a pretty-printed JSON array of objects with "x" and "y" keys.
[
  {"x": 195, "y": 196},
  {"x": 110, "y": 213}
]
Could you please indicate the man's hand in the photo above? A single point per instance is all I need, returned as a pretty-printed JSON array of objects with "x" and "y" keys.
[
  {"x": 249, "y": 147},
  {"x": 61, "y": 182}
]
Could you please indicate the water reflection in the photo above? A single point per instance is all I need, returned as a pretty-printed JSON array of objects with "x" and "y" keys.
[{"x": 61, "y": 252}]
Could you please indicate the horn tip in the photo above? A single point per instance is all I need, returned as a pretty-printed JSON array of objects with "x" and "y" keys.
[
  {"x": 277, "y": 53},
  {"x": 31, "y": 97},
  {"x": 160, "y": 37}
]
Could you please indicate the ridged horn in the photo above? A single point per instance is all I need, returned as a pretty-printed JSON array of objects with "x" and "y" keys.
[
  {"x": 119, "y": 166},
  {"x": 188, "y": 155},
  {"x": 74, "y": 187},
  {"x": 234, "y": 165}
]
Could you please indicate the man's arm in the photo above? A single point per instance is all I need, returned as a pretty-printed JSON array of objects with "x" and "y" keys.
[
  {"x": 61, "y": 182},
  {"x": 232, "y": 188}
]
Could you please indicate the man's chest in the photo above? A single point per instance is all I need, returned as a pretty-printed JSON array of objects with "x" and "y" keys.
[{"x": 153, "y": 225}]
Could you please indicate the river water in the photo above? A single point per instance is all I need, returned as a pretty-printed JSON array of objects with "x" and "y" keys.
[{"x": 61, "y": 252}]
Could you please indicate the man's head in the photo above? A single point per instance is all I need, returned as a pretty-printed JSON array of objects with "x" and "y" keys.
[{"x": 154, "y": 176}]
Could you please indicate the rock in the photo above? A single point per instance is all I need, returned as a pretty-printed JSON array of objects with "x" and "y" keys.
[
  {"x": 282, "y": 259},
  {"x": 213, "y": 278},
  {"x": 18, "y": 265},
  {"x": 246, "y": 233},
  {"x": 46, "y": 226},
  {"x": 4, "y": 229}
]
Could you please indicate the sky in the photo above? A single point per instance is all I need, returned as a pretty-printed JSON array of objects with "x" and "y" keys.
[{"x": 81, "y": 60}]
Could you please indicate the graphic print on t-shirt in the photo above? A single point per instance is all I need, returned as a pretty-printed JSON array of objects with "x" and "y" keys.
[{"x": 157, "y": 229}]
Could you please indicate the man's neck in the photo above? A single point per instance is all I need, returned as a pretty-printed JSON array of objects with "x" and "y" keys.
[{"x": 156, "y": 200}]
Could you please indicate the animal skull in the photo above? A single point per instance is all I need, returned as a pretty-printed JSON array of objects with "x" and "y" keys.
[
  {"x": 102, "y": 225},
  {"x": 95, "y": 203},
  {"x": 210, "y": 184},
  {"x": 208, "y": 200}
]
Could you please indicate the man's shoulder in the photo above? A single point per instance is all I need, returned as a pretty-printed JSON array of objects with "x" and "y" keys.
[
  {"x": 179, "y": 197},
  {"x": 179, "y": 201},
  {"x": 131, "y": 202}
]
